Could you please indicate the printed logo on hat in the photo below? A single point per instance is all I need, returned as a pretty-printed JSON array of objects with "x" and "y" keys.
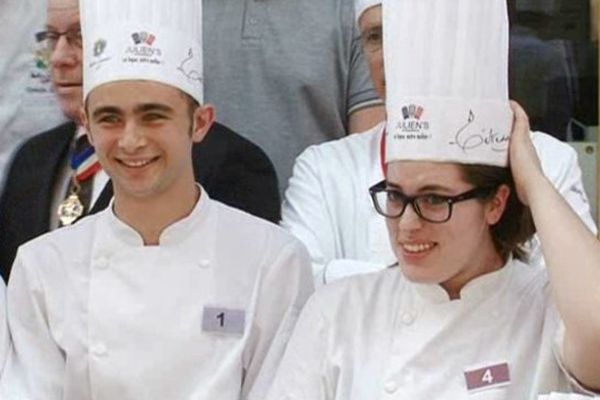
[
  {"x": 143, "y": 51},
  {"x": 412, "y": 126},
  {"x": 143, "y": 37}
]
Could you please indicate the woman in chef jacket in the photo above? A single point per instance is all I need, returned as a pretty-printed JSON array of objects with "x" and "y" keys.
[{"x": 464, "y": 315}]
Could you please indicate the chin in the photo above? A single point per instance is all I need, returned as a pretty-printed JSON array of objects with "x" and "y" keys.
[{"x": 419, "y": 273}]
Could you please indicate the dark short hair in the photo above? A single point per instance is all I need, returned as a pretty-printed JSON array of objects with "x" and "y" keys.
[{"x": 516, "y": 226}]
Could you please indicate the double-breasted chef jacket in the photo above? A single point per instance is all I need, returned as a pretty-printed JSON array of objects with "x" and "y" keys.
[
  {"x": 380, "y": 336},
  {"x": 95, "y": 314}
]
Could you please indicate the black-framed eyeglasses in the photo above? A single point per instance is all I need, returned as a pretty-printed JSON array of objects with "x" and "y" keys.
[
  {"x": 51, "y": 38},
  {"x": 391, "y": 203}
]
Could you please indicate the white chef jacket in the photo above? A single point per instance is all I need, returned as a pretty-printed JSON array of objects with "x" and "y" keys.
[
  {"x": 95, "y": 314},
  {"x": 327, "y": 204},
  {"x": 4, "y": 337},
  {"x": 380, "y": 336}
]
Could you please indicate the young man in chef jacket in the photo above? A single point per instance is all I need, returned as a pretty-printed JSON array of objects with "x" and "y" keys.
[{"x": 167, "y": 294}]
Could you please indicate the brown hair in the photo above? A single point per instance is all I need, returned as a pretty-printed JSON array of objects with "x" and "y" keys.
[{"x": 516, "y": 226}]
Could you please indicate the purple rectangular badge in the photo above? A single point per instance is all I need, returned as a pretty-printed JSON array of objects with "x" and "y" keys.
[{"x": 486, "y": 377}]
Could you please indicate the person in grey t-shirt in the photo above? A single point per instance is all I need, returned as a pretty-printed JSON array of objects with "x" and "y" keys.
[{"x": 287, "y": 74}]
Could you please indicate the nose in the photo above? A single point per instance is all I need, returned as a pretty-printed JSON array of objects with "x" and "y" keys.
[
  {"x": 64, "y": 54},
  {"x": 132, "y": 138},
  {"x": 409, "y": 220}
]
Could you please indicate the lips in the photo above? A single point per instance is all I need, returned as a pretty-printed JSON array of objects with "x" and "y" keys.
[
  {"x": 416, "y": 248},
  {"x": 137, "y": 163}
]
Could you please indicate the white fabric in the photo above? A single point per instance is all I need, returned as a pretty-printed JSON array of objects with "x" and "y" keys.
[
  {"x": 563, "y": 396},
  {"x": 4, "y": 337},
  {"x": 446, "y": 67},
  {"x": 327, "y": 204},
  {"x": 112, "y": 319},
  {"x": 143, "y": 39},
  {"x": 360, "y": 6},
  {"x": 379, "y": 336},
  {"x": 328, "y": 207}
]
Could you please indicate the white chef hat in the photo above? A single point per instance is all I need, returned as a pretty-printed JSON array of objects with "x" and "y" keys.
[
  {"x": 446, "y": 66},
  {"x": 155, "y": 40},
  {"x": 360, "y": 6}
]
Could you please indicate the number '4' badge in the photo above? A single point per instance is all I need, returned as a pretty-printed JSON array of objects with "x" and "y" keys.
[
  {"x": 223, "y": 320},
  {"x": 487, "y": 377}
]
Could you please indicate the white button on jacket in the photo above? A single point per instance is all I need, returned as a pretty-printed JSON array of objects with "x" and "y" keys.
[{"x": 143, "y": 328}]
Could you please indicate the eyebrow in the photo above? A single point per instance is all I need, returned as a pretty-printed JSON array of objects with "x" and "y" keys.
[
  {"x": 72, "y": 27},
  {"x": 426, "y": 188},
  {"x": 106, "y": 110},
  {"x": 142, "y": 108},
  {"x": 139, "y": 109}
]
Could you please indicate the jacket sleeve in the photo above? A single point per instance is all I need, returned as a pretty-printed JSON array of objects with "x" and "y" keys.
[
  {"x": 304, "y": 372},
  {"x": 35, "y": 366},
  {"x": 306, "y": 214},
  {"x": 284, "y": 286},
  {"x": 560, "y": 164}
]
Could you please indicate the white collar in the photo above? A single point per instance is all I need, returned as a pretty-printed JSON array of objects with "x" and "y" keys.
[{"x": 477, "y": 289}]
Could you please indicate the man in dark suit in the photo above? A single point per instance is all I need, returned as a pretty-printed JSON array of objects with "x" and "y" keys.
[{"x": 230, "y": 168}]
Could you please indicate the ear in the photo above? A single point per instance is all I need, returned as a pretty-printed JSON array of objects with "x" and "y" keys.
[
  {"x": 202, "y": 121},
  {"x": 496, "y": 206},
  {"x": 85, "y": 122}
]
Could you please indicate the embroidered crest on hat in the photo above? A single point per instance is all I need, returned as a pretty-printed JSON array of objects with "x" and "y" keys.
[{"x": 446, "y": 66}]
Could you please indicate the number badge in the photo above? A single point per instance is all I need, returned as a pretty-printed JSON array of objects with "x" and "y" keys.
[
  {"x": 488, "y": 377},
  {"x": 223, "y": 320}
]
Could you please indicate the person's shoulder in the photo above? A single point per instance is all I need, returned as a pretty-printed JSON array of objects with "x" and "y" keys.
[
  {"x": 358, "y": 292},
  {"x": 64, "y": 131},
  {"x": 226, "y": 148},
  {"x": 352, "y": 147},
  {"x": 220, "y": 133},
  {"x": 66, "y": 243},
  {"x": 558, "y": 158},
  {"x": 528, "y": 281},
  {"x": 549, "y": 147},
  {"x": 43, "y": 142},
  {"x": 240, "y": 224}
]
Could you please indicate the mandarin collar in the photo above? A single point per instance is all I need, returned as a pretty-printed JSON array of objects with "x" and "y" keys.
[
  {"x": 477, "y": 289},
  {"x": 122, "y": 235}
]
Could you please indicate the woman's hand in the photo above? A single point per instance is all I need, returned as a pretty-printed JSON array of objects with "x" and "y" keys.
[{"x": 523, "y": 159}]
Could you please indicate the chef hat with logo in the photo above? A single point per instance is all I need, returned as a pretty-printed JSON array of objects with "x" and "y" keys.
[
  {"x": 446, "y": 66},
  {"x": 155, "y": 40},
  {"x": 360, "y": 6}
]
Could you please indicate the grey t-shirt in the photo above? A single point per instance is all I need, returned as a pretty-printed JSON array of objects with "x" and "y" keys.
[{"x": 285, "y": 73}]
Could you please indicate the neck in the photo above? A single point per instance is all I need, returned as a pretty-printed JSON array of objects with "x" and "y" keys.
[
  {"x": 489, "y": 260},
  {"x": 151, "y": 216}
]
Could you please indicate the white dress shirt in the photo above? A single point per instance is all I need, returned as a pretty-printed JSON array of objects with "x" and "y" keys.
[
  {"x": 95, "y": 314},
  {"x": 327, "y": 204}
]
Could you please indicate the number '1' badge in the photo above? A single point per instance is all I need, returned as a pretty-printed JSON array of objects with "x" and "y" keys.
[
  {"x": 487, "y": 377},
  {"x": 223, "y": 320}
]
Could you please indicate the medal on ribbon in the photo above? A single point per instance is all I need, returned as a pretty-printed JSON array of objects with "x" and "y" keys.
[{"x": 84, "y": 165}]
